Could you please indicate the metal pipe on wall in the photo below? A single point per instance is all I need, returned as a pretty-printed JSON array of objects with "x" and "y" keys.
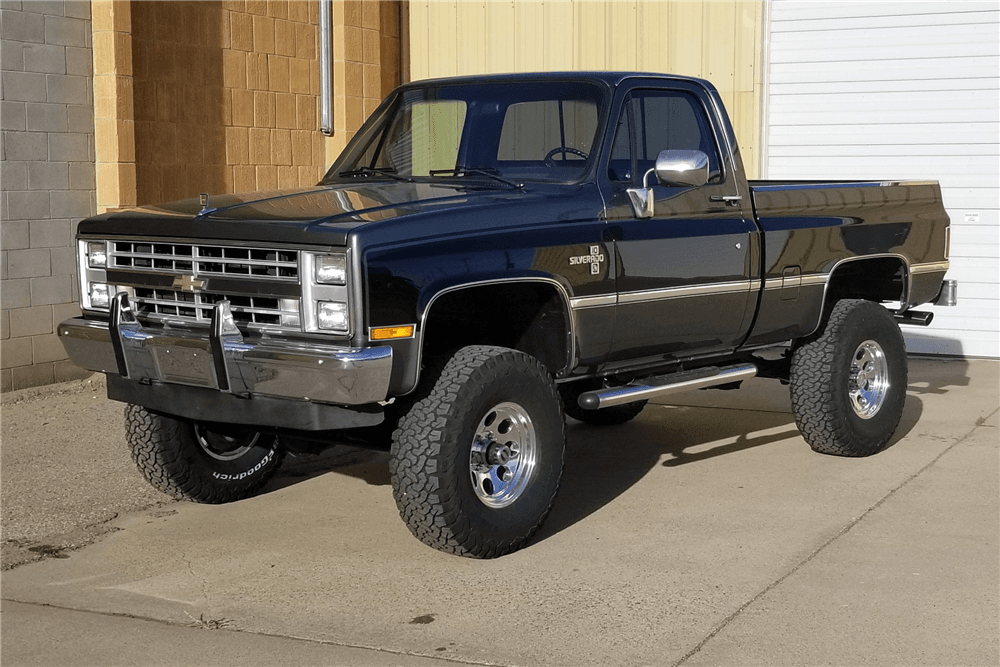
[{"x": 325, "y": 70}]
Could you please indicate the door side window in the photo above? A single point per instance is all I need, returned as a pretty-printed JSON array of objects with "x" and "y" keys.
[{"x": 652, "y": 121}]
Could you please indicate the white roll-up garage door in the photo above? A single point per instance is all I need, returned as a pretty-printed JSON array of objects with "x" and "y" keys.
[{"x": 884, "y": 91}]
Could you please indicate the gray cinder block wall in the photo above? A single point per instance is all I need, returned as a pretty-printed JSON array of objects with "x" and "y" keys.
[{"x": 47, "y": 183}]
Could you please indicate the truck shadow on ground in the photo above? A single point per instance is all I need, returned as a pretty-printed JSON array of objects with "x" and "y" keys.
[
  {"x": 602, "y": 463},
  {"x": 345, "y": 457}
]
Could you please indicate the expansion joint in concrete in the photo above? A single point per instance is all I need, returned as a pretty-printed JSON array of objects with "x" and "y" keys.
[
  {"x": 226, "y": 626},
  {"x": 812, "y": 556}
]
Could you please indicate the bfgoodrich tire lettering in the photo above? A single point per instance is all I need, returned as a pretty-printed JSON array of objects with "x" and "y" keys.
[
  {"x": 848, "y": 383},
  {"x": 199, "y": 462},
  {"x": 476, "y": 463}
]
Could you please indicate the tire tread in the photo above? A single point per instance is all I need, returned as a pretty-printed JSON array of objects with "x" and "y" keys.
[
  {"x": 820, "y": 416},
  {"x": 425, "y": 479},
  {"x": 158, "y": 446}
]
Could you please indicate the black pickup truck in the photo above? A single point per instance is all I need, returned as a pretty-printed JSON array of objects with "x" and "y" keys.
[{"x": 488, "y": 255}]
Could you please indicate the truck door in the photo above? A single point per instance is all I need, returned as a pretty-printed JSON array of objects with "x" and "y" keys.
[{"x": 684, "y": 277}]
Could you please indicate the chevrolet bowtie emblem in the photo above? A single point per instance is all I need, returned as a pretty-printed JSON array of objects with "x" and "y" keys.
[{"x": 188, "y": 283}]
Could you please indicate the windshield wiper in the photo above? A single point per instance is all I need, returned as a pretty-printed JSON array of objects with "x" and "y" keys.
[
  {"x": 464, "y": 171},
  {"x": 371, "y": 171}
]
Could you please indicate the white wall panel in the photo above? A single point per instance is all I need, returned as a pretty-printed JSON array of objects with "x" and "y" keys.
[
  {"x": 828, "y": 42},
  {"x": 979, "y": 200},
  {"x": 876, "y": 90},
  {"x": 950, "y": 134},
  {"x": 852, "y": 70},
  {"x": 941, "y": 13},
  {"x": 904, "y": 11},
  {"x": 900, "y": 85}
]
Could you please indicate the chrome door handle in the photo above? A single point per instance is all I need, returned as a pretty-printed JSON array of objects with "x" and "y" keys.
[{"x": 732, "y": 200}]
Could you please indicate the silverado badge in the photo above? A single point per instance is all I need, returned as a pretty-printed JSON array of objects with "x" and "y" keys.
[{"x": 594, "y": 259}]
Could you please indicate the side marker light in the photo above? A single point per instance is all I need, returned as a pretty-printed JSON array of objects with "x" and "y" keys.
[{"x": 390, "y": 333}]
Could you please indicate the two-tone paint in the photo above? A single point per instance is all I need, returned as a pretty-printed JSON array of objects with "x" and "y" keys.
[
  {"x": 728, "y": 266},
  {"x": 889, "y": 237},
  {"x": 722, "y": 268}
]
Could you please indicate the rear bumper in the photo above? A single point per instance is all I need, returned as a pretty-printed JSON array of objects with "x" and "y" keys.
[{"x": 223, "y": 361}]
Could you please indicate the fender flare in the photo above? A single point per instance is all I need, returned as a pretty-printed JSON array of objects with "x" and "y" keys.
[
  {"x": 904, "y": 295},
  {"x": 560, "y": 290}
]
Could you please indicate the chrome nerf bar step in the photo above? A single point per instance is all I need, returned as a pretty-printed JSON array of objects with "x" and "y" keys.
[{"x": 662, "y": 385}]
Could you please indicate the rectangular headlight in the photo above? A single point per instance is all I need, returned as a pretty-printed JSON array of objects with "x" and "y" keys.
[
  {"x": 332, "y": 316},
  {"x": 331, "y": 269},
  {"x": 97, "y": 254},
  {"x": 100, "y": 295}
]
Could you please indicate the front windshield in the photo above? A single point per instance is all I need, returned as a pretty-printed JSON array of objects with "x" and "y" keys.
[{"x": 500, "y": 132}]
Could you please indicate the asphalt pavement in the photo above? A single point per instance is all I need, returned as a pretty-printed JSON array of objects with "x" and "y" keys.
[{"x": 706, "y": 532}]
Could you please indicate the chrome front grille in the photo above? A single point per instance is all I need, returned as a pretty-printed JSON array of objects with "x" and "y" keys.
[
  {"x": 196, "y": 307},
  {"x": 203, "y": 259},
  {"x": 191, "y": 299}
]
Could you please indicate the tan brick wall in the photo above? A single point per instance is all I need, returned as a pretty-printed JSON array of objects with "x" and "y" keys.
[
  {"x": 226, "y": 97},
  {"x": 114, "y": 127},
  {"x": 223, "y": 96},
  {"x": 366, "y": 63}
]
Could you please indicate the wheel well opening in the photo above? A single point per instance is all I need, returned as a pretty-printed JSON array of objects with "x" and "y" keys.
[
  {"x": 530, "y": 317},
  {"x": 878, "y": 279}
]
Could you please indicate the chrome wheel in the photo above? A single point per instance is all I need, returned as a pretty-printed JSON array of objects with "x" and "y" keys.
[
  {"x": 503, "y": 455},
  {"x": 848, "y": 384},
  {"x": 227, "y": 446},
  {"x": 476, "y": 462},
  {"x": 869, "y": 380}
]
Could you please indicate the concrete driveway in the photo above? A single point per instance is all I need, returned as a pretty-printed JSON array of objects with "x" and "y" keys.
[{"x": 704, "y": 532}]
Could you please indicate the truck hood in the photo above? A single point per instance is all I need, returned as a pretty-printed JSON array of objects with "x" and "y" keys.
[{"x": 323, "y": 215}]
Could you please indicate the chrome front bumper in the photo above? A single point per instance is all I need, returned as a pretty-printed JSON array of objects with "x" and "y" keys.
[{"x": 222, "y": 360}]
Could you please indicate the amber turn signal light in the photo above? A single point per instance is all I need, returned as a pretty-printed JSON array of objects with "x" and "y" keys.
[{"x": 389, "y": 333}]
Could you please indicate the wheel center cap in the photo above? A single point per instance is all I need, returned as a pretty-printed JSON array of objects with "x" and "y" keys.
[{"x": 497, "y": 454}]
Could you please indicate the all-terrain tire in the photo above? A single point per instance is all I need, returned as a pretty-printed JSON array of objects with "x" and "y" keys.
[
  {"x": 198, "y": 462},
  {"x": 848, "y": 382},
  {"x": 617, "y": 414},
  {"x": 380, "y": 436},
  {"x": 476, "y": 463}
]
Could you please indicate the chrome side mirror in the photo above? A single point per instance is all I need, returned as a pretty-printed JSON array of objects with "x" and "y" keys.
[
  {"x": 673, "y": 167},
  {"x": 685, "y": 168}
]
